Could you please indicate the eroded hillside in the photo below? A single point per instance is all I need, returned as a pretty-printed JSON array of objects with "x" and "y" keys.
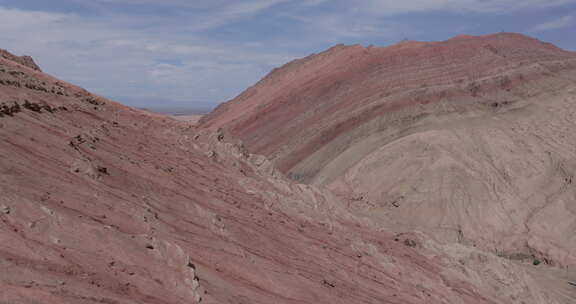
[
  {"x": 102, "y": 203},
  {"x": 469, "y": 141}
]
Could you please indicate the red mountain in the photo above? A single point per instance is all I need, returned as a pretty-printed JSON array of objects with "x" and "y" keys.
[
  {"x": 469, "y": 141},
  {"x": 102, "y": 203},
  {"x": 312, "y": 102}
]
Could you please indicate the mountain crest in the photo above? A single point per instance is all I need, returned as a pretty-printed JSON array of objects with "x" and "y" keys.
[{"x": 26, "y": 61}]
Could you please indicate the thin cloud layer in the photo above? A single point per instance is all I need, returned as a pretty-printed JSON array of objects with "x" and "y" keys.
[
  {"x": 474, "y": 6},
  {"x": 562, "y": 22}
]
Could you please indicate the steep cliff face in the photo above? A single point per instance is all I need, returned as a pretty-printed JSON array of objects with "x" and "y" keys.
[{"x": 468, "y": 140}]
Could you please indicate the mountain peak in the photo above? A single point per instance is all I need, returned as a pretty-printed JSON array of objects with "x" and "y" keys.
[
  {"x": 26, "y": 61},
  {"x": 345, "y": 86},
  {"x": 504, "y": 39}
]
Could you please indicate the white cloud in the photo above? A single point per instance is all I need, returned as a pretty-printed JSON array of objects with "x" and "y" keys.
[
  {"x": 205, "y": 15},
  {"x": 390, "y": 6},
  {"x": 105, "y": 53},
  {"x": 331, "y": 28},
  {"x": 17, "y": 19},
  {"x": 477, "y": 6},
  {"x": 375, "y": 18},
  {"x": 559, "y": 23},
  {"x": 228, "y": 12}
]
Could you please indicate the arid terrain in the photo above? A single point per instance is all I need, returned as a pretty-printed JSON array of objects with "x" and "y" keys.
[
  {"x": 471, "y": 138},
  {"x": 433, "y": 172},
  {"x": 193, "y": 118}
]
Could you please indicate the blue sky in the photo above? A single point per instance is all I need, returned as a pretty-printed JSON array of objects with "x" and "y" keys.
[{"x": 196, "y": 54}]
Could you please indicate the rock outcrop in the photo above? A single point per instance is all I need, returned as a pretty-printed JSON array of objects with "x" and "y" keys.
[{"x": 26, "y": 61}]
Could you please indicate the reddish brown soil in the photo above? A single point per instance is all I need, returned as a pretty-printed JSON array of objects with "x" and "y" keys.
[
  {"x": 101, "y": 203},
  {"x": 469, "y": 141}
]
